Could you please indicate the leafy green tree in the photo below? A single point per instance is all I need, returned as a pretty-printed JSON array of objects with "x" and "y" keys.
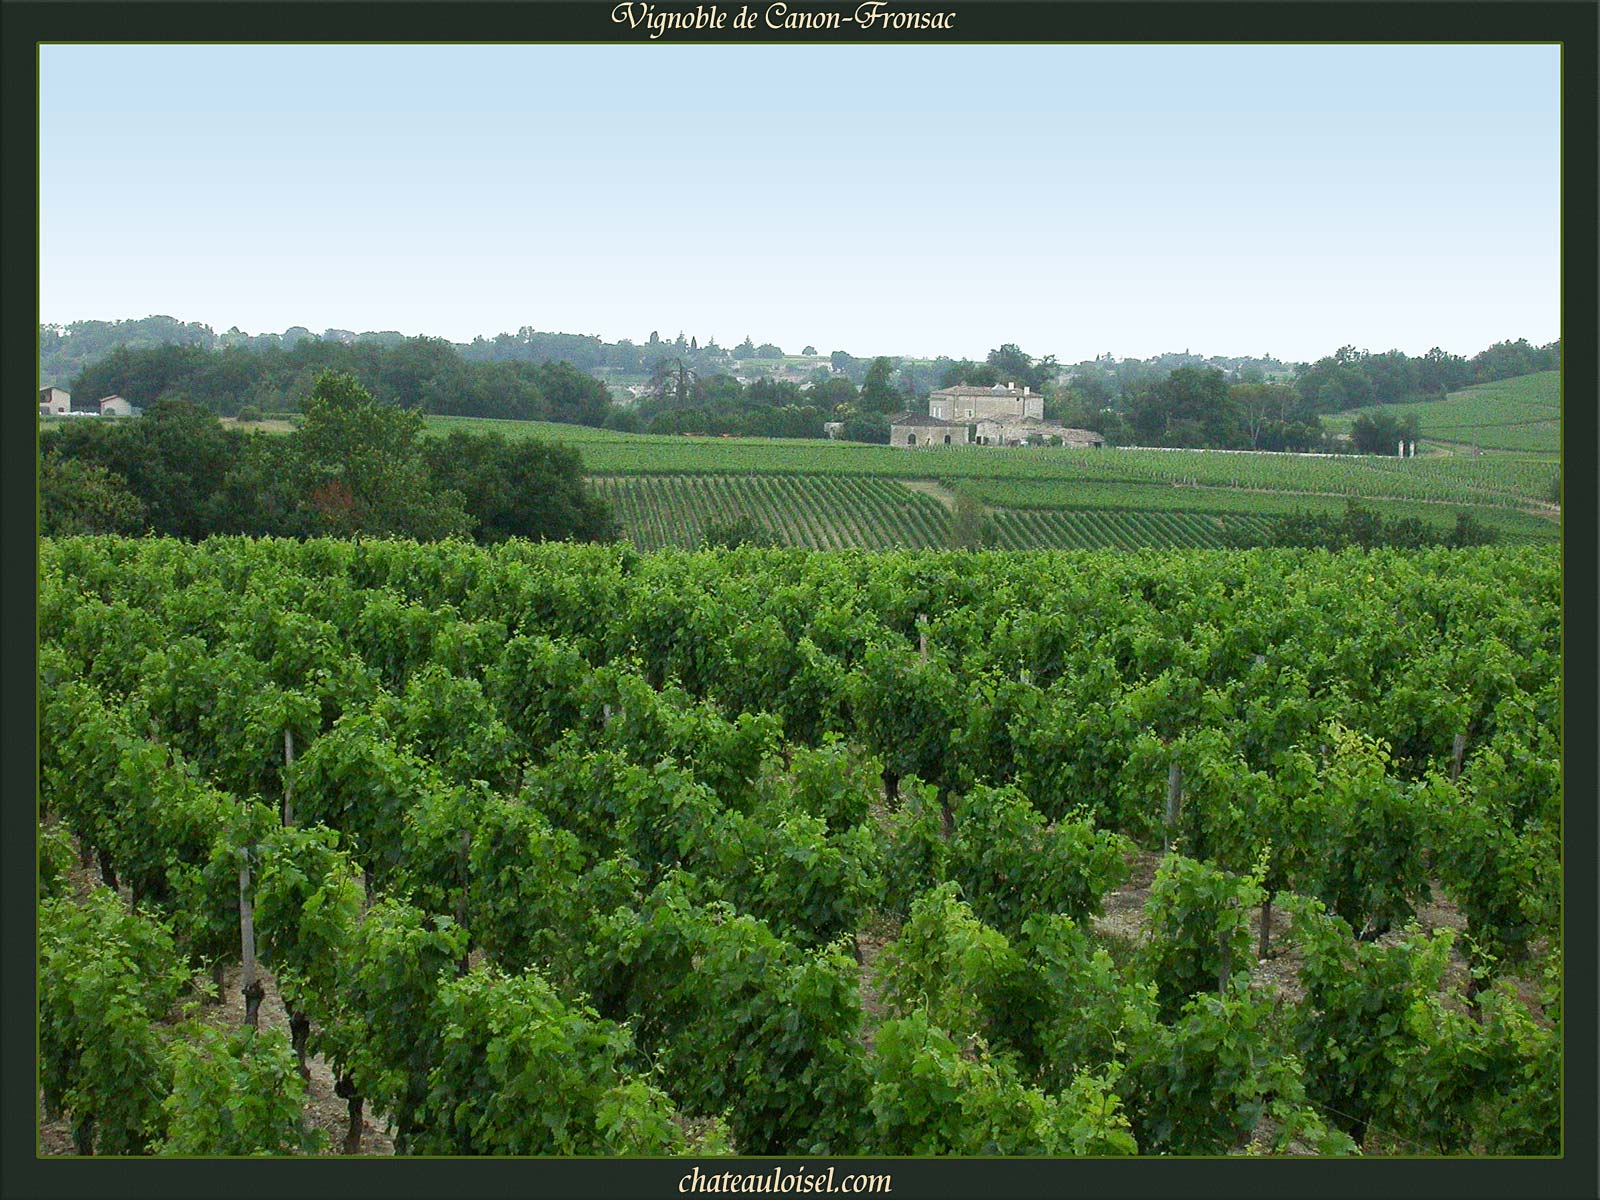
[
  {"x": 877, "y": 391},
  {"x": 1191, "y": 407},
  {"x": 1011, "y": 365},
  {"x": 359, "y": 468},
  {"x": 524, "y": 488},
  {"x": 1382, "y": 433},
  {"x": 968, "y": 372},
  {"x": 77, "y": 497}
]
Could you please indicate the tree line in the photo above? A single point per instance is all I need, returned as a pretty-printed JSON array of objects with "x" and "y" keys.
[
  {"x": 1178, "y": 400},
  {"x": 354, "y": 466},
  {"x": 427, "y": 374}
]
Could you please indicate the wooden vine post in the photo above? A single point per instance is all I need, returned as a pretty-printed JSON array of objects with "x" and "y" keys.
[
  {"x": 253, "y": 989},
  {"x": 1174, "y": 805},
  {"x": 1224, "y": 968},
  {"x": 464, "y": 866},
  {"x": 288, "y": 761}
]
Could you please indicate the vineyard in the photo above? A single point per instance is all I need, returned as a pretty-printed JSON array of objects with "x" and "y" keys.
[
  {"x": 1521, "y": 414},
  {"x": 1496, "y": 479},
  {"x": 562, "y": 850},
  {"x": 667, "y": 491},
  {"x": 831, "y": 512}
]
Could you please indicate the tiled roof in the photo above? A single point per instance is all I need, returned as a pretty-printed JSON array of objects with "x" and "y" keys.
[
  {"x": 911, "y": 418},
  {"x": 967, "y": 389}
]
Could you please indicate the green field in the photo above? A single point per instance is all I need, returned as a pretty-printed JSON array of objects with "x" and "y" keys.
[
  {"x": 1521, "y": 414},
  {"x": 826, "y": 494}
]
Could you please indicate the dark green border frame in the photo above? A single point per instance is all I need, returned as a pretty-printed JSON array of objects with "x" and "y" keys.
[{"x": 1575, "y": 24}]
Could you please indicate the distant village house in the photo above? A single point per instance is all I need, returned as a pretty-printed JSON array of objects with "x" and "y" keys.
[{"x": 54, "y": 402}]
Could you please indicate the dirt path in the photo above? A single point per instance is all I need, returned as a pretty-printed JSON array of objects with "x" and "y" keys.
[{"x": 931, "y": 487}]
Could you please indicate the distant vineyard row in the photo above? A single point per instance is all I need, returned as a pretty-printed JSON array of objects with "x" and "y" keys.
[
  {"x": 832, "y": 512},
  {"x": 1522, "y": 414}
]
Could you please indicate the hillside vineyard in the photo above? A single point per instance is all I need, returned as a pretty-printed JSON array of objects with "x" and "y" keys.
[{"x": 555, "y": 849}]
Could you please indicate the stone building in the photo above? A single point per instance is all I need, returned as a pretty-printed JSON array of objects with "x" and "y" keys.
[
  {"x": 116, "y": 406},
  {"x": 919, "y": 429},
  {"x": 1025, "y": 431},
  {"x": 967, "y": 402}
]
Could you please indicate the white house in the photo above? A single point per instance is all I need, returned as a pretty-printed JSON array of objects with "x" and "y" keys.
[
  {"x": 54, "y": 401},
  {"x": 116, "y": 406}
]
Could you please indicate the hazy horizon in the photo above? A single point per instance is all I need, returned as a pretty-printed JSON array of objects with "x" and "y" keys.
[
  {"x": 822, "y": 352},
  {"x": 1074, "y": 200}
]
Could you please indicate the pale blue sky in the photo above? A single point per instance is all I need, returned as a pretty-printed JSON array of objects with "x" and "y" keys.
[{"x": 894, "y": 199}]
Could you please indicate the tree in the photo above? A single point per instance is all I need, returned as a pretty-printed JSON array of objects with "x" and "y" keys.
[
  {"x": 359, "y": 468},
  {"x": 84, "y": 497},
  {"x": 672, "y": 380},
  {"x": 1260, "y": 406},
  {"x": 1382, "y": 433},
  {"x": 1011, "y": 365},
  {"x": 524, "y": 488},
  {"x": 971, "y": 373},
  {"x": 1191, "y": 407},
  {"x": 877, "y": 393}
]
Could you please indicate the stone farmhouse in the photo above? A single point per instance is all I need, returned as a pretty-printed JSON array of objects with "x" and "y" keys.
[
  {"x": 54, "y": 401},
  {"x": 966, "y": 402},
  {"x": 1002, "y": 415},
  {"x": 1025, "y": 431},
  {"x": 918, "y": 429}
]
